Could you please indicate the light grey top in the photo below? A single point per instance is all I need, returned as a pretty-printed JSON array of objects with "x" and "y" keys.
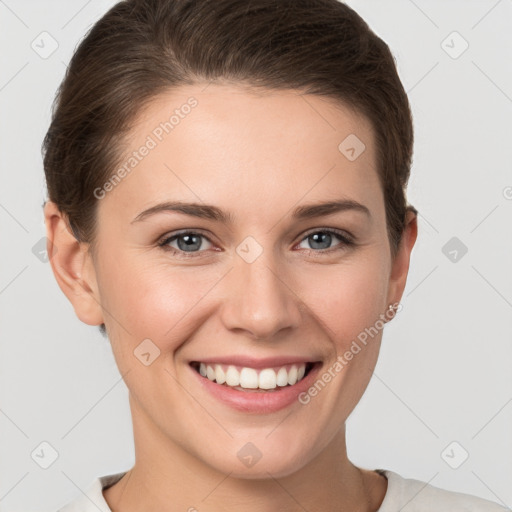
[{"x": 403, "y": 494}]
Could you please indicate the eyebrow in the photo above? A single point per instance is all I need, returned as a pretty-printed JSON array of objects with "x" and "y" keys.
[{"x": 205, "y": 211}]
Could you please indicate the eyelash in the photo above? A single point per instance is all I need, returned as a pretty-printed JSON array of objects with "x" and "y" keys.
[{"x": 346, "y": 242}]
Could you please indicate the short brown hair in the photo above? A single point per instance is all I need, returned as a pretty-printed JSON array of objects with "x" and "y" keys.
[{"x": 141, "y": 48}]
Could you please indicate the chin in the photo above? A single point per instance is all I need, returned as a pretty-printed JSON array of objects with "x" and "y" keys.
[{"x": 250, "y": 463}]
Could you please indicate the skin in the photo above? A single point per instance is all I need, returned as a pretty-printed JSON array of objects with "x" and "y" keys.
[{"x": 257, "y": 155}]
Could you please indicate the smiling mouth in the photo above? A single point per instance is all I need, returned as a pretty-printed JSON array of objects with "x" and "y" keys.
[{"x": 252, "y": 379}]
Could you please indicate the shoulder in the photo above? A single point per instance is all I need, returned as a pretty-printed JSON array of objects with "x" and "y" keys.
[
  {"x": 409, "y": 495},
  {"x": 93, "y": 500}
]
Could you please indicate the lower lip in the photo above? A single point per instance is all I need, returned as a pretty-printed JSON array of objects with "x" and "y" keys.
[{"x": 260, "y": 402}]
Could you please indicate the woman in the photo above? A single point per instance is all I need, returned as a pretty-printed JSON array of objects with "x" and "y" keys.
[{"x": 227, "y": 202}]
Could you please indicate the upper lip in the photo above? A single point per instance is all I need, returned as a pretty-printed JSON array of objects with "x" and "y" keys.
[{"x": 252, "y": 362}]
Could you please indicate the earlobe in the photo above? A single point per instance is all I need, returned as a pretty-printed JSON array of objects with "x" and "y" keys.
[
  {"x": 400, "y": 265},
  {"x": 72, "y": 266}
]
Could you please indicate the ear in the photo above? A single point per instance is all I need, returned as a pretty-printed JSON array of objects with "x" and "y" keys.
[
  {"x": 400, "y": 265},
  {"x": 72, "y": 266}
]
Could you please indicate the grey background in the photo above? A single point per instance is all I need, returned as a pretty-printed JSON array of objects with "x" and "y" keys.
[{"x": 444, "y": 371}]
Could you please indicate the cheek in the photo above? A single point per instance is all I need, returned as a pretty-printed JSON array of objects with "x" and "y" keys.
[
  {"x": 153, "y": 300},
  {"x": 347, "y": 298}
]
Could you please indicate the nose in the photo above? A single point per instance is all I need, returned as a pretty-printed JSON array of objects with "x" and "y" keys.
[{"x": 259, "y": 300}]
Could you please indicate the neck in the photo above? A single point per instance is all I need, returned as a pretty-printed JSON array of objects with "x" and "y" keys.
[{"x": 167, "y": 478}]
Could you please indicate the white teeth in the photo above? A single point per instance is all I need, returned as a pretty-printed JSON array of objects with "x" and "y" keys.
[
  {"x": 220, "y": 376},
  {"x": 249, "y": 378},
  {"x": 267, "y": 379},
  {"x": 292, "y": 375},
  {"x": 232, "y": 377},
  {"x": 282, "y": 377},
  {"x": 210, "y": 372}
]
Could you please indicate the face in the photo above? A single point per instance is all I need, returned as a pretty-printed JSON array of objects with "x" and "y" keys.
[{"x": 253, "y": 276}]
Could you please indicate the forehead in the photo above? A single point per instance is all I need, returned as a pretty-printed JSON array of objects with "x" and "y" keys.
[
  {"x": 212, "y": 142},
  {"x": 257, "y": 110}
]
